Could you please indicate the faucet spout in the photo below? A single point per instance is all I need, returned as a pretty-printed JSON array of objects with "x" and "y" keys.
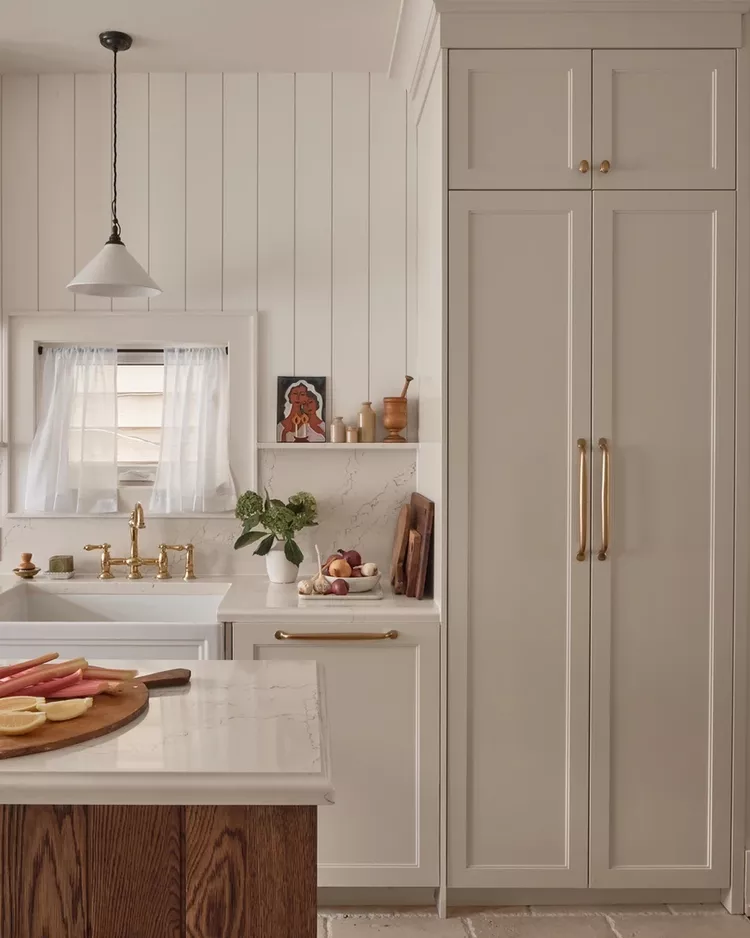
[{"x": 137, "y": 517}]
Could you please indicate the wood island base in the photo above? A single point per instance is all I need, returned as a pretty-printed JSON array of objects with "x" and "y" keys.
[{"x": 87, "y": 871}]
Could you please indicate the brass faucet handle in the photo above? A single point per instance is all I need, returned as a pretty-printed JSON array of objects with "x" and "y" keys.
[
  {"x": 162, "y": 563},
  {"x": 189, "y": 550},
  {"x": 106, "y": 561}
]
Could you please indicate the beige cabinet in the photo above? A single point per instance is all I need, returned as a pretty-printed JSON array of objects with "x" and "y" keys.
[
  {"x": 664, "y": 119},
  {"x": 520, "y": 367},
  {"x": 383, "y": 702},
  {"x": 661, "y": 616},
  {"x": 519, "y": 119},
  {"x": 646, "y": 365},
  {"x": 607, "y": 119}
]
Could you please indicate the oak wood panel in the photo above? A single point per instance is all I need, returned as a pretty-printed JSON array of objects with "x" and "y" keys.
[
  {"x": 215, "y": 864},
  {"x": 43, "y": 882},
  {"x": 135, "y": 861},
  {"x": 281, "y": 872}
]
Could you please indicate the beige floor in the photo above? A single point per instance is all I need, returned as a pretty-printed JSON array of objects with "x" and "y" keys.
[{"x": 697, "y": 921}]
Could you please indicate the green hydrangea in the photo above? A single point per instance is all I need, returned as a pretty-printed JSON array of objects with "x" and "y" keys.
[
  {"x": 249, "y": 506},
  {"x": 281, "y": 521},
  {"x": 305, "y": 507}
]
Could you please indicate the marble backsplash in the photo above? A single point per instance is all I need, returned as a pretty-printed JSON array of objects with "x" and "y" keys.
[{"x": 359, "y": 495}]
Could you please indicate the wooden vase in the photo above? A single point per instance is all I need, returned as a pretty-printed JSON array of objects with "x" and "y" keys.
[{"x": 394, "y": 418}]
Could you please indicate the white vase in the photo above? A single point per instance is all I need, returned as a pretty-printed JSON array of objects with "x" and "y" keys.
[{"x": 278, "y": 568}]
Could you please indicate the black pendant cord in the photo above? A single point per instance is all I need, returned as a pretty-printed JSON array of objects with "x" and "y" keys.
[{"x": 114, "y": 238}]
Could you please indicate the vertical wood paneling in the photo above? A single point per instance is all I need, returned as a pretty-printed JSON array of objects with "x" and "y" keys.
[
  {"x": 204, "y": 192},
  {"x": 19, "y": 163},
  {"x": 132, "y": 173},
  {"x": 275, "y": 239},
  {"x": 351, "y": 264},
  {"x": 387, "y": 238},
  {"x": 93, "y": 171},
  {"x": 312, "y": 255},
  {"x": 56, "y": 191},
  {"x": 167, "y": 189},
  {"x": 240, "y": 278}
]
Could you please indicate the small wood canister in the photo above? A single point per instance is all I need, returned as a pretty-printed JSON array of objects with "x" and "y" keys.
[
  {"x": 394, "y": 418},
  {"x": 352, "y": 435}
]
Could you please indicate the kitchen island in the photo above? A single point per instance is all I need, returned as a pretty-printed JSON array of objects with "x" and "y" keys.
[{"x": 198, "y": 820}]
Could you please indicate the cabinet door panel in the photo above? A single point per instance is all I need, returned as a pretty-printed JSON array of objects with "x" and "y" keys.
[
  {"x": 664, "y": 119},
  {"x": 519, "y": 341},
  {"x": 383, "y": 704},
  {"x": 662, "y": 600},
  {"x": 519, "y": 119}
]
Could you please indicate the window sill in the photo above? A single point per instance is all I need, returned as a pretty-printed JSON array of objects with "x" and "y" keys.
[{"x": 125, "y": 515}]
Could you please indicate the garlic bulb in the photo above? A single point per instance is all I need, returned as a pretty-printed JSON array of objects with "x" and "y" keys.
[
  {"x": 369, "y": 569},
  {"x": 320, "y": 584},
  {"x": 305, "y": 587}
]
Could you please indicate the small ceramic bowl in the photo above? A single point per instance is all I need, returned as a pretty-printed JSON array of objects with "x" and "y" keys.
[
  {"x": 358, "y": 584},
  {"x": 27, "y": 574}
]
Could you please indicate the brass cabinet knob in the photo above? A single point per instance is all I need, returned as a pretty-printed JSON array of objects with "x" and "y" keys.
[
  {"x": 583, "y": 166},
  {"x": 605, "y": 166}
]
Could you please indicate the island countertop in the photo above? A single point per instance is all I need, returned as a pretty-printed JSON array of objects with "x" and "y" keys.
[{"x": 242, "y": 733}]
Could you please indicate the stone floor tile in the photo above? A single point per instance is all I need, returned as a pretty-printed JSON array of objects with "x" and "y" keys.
[
  {"x": 540, "y": 926},
  {"x": 599, "y": 909},
  {"x": 697, "y": 908},
  {"x": 680, "y": 926},
  {"x": 407, "y": 926}
]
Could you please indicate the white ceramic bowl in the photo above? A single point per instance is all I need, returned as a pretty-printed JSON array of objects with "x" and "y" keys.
[{"x": 358, "y": 584}]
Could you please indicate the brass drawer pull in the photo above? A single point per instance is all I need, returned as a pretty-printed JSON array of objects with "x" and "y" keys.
[
  {"x": 606, "y": 499},
  {"x": 334, "y": 636}
]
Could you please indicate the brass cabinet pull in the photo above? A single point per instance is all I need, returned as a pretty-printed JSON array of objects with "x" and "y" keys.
[
  {"x": 334, "y": 636},
  {"x": 583, "y": 166},
  {"x": 606, "y": 500},
  {"x": 583, "y": 486},
  {"x": 605, "y": 166}
]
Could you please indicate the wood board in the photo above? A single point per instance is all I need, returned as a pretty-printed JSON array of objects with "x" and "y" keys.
[
  {"x": 109, "y": 713},
  {"x": 375, "y": 593},
  {"x": 422, "y": 520},
  {"x": 400, "y": 546},
  {"x": 412, "y": 562}
]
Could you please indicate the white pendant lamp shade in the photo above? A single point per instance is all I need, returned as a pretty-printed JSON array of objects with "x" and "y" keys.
[{"x": 114, "y": 272}]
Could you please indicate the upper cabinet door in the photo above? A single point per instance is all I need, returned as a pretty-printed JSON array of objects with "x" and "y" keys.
[
  {"x": 664, "y": 119},
  {"x": 520, "y": 119}
]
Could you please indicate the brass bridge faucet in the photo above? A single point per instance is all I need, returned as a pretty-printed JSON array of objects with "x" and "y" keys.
[{"x": 134, "y": 562}]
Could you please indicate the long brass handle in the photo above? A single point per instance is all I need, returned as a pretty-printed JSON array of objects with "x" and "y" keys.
[
  {"x": 606, "y": 500},
  {"x": 334, "y": 636},
  {"x": 583, "y": 500},
  {"x": 605, "y": 166}
]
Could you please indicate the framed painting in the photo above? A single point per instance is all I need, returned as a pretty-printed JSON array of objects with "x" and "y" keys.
[{"x": 300, "y": 410}]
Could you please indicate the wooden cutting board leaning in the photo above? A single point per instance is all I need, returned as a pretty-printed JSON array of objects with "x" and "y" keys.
[{"x": 411, "y": 547}]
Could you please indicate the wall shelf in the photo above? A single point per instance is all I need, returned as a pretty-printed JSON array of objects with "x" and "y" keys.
[{"x": 337, "y": 446}]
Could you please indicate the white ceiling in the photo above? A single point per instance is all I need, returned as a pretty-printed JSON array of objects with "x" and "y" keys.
[{"x": 199, "y": 35}]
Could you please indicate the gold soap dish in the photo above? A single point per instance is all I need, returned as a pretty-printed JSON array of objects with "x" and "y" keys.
[{"x": 27, "y": 574}]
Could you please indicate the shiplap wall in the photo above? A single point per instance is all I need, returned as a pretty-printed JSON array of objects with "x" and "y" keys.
[{"x": 277, "y": 192}]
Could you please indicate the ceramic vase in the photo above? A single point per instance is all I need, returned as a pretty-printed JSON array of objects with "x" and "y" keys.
[{"x": 278, "y": 568}]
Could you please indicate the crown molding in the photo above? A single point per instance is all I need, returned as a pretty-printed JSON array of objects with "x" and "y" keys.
[
  {"x": 591, "y": 6},
  {"x": 416, "y": 25}
]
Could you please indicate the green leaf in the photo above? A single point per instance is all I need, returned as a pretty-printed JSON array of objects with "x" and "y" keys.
[
  {"x": 267, "y": 501},
  {"x": 250, "y": 523},
  {"x": 278, "y": 502},
  {"x": 248, "y": 537},
  {"x": 265, "y": 545},
  {"x": 292, "y": 552}
]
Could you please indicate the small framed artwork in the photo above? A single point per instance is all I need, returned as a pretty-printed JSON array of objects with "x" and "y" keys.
[{"x": 300, "y": 410}]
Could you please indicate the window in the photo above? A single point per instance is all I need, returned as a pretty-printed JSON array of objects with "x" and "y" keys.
[{"x": 140, "y": 408}]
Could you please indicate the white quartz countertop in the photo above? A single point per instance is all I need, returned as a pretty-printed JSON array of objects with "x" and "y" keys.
[
  {"x": 243, "y": 732},
  {"x": 253, "y": 599}
]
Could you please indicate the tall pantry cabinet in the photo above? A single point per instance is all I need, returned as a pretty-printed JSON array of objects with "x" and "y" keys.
[{"x": 591, "y": 325}]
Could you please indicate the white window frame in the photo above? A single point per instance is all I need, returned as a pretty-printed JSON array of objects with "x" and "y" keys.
[{"x": 26, "y": 331}]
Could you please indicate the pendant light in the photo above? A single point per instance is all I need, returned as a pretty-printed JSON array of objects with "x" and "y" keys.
[{"x": 114, "y": 272}]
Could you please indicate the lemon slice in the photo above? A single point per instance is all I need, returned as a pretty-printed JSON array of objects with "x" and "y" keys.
[
  {"x": 20, "y": 703},
  {"x": 59, "y": 710},
  {"x": 16, "y": 723}
]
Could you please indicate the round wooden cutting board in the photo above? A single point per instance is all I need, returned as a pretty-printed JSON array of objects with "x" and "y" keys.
[{"x": 107, "y": 714}]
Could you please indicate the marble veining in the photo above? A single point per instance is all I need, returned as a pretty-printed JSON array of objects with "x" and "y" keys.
[{"x": 243, "y": 732}]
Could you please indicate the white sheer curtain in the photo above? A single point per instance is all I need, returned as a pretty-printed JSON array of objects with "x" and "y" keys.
[
  {"x": 73, "y": 457},
  {"x": 193, "y": 472}
]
